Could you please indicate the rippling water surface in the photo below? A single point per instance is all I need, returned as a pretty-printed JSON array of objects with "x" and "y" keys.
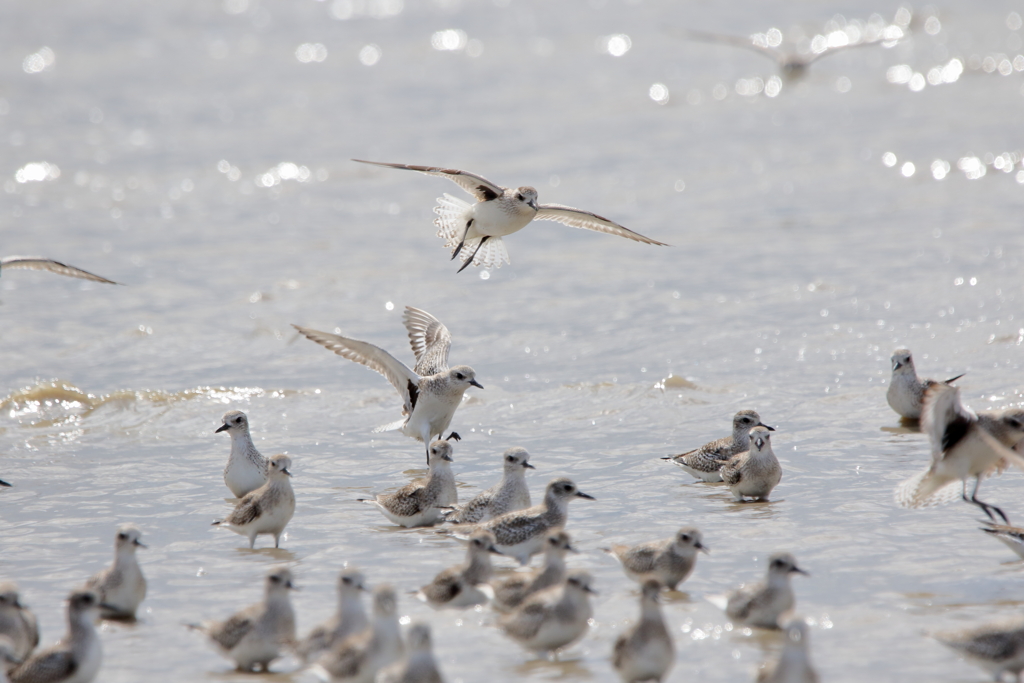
[{"x": 199, "y": 153}]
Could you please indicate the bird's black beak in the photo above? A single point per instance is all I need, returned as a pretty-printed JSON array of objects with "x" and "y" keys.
[
  {"x": 222, "y": 428},
  {"x": 447, "y": 457},
  {"x": 799, "y": 571},
  {"x": 533, "y": 205},
  {"x": 571, "y": 549},
  {"x": 760, "y": 443},
  {"x": 703, "y": 548},
  {"x": 139, "y": 543},
  {"x": 286, "y": 472},
  {"x": 896, "y": 365},
  {"x": 762, "y": 424},
  {"x": 590, "y": 590},
  {"x": 476, "y": 384},
  {"x": 580, "y": 494},
  {"x": 495, "y": 550},
  {"x": 529, "y": 466}
]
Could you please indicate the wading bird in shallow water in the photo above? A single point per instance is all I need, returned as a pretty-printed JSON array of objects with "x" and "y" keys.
[
  {"x": 706, "y": 462},
  {"x": 430, "y": 392},
  {"x": 40, "y": 263},
  {"x": 473, "y": 231},
  {"x": 965, "y": 444},
  {"x": 906, "y": 391}
]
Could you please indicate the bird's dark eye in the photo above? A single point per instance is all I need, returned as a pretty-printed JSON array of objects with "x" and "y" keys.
[
  {"x": 684, "y": 538},
  {"x": 459, "y": 375},
  {"x": 275, "y": 579},
  {"x": 520, "y": 197},
  {"x": 510, "y": 458},
  {"x": 346, "y": 580}
]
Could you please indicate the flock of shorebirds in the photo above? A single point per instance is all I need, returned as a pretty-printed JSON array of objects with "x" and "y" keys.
[{"x": 545, "y": 609}]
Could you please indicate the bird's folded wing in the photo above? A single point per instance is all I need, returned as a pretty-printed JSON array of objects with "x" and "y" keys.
[
  {"x": 430, "y": 341},
  {"x": 576, "y": 218},
  {"x": 46, "y": 667},
  {"x": 40, "y": 263},
  {"x": 230, "y": 633},
  {"x": 373, "y": 357},
  {"x": 478, "y": 186}
]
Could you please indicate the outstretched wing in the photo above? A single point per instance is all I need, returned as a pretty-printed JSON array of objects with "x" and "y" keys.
[
  {"x": 40, "y": 263},
  {"x": 566, "y": 215},
  {"x": 478, "y": 186},
  {"x": 944, "y": 418},
  {"x": 398, "y": 373},
  {"x": 430, "y": 341}
]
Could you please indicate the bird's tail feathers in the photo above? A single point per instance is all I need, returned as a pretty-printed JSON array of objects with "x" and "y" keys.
[
  {"x": 491, "y": 254},
  {"x": 923, "y": 490},
  {"x": 451, "y": 219}
]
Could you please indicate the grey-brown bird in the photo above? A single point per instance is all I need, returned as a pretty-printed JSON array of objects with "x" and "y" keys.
[
  {"x": 644, "y": 651},
  {"x": 669, "y": 561}
]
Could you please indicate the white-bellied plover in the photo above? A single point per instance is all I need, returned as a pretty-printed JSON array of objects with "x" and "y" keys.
[
  {"x": 348, "y": 620},
  {"x": 268, "y": 509},
  {"x": 75, "y": 658},
  {"x": 755, "y": 473},
  {"x": 419, "y": 665},
  {"x": 1011, "y": 536},
  {"x": 762, "y": 603},
  {"x": 430, "y": 393},
  {"x": 260, "y": 633},
  {"x": 460, "y": 586},
  {"x": 40, "y": 263},
  {"x": 669, "y": 561},
  {"x": 475, "y": 230},
  {"x": 998, "y": 648},
  {"x": 964, "y": 445},
  {"x": 121, "y": 587},
  {"x": 644, "y": 651},
  {"x": 552, "y": 618},
  {"x": 521, "y": 534},
  {"x": 794, "y": 664},
  {"x": 421, "y": 503},
  {"x": 510, "y": 592},
  {"x": 17, "y": 621},
  {"x": 246, "y": 470},
  {"x": 508, "y": 495},
  {"x": 706, "y": 462},
  {"x": 358, "y": 658},
  {"x": 906, "y": 391}
]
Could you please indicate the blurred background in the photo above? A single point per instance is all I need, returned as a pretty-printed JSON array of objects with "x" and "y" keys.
[{"x": 198, "y": 153}]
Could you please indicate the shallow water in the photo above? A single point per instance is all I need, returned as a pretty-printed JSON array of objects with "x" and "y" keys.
[{"x": 799, "y": 262}]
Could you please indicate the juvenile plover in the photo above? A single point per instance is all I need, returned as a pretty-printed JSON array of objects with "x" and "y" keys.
[
  {"x": 121, "y": 587},
  {"x": 421, "y": 502},
  {"x": 1011, "y": 536},
  {"x": 794, "y": 664},
  {"x": 906, "y": 391},
  {"x": 669, "y": 561},
  {"x": 644, "y": 651},
  {"x": 706, "y": 462},
  {"x": 521, "y": 534},
  {"x": 358, "y": 658},
  {"x": 260, "y": 633},
  {"x": 75, "y": 658},
  {"x": 17, "y": 621},
  {"x": 268, "y": 509},
  {"x": 508, "y": 495},
  {"x": 419, "y": 665},
  {"x": 964, "y": 444},
  {"x": 998, "y": 648},
  {"x": 510, "y": 592},
  {"x": 430, "y": 393},
  {"x": 40, "y": 263},
  {"x": 460, "y": 586},
  {"x": 553, "y": 618},
  {"x": 755, "y": 473},
  {"x": 761, "y": 604},
  {"x": 246, "y": 470},
  {"x": 348, "y": 620},
  {"x": 474, "y": 231}
]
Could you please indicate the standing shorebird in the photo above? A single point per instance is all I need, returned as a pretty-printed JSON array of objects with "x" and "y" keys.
[
  {"x": 669, "y": 562},
  {"x": 268, "y": 509},
  {"x": 762, "y": 604},
  {"x": 508, "y": 495},
  {"x": 422, "y": 502},
  {"x": 17, "y": 622},
  {"x": 794, "y": 664},
  {"x": 964, "y": 444},
  {"x": 906, "y": 391},
  {"x": 121, "y": 587},
  {"x": 348, "y": 620},
  {"x": 509, "y": 593},
  {"x": 521, "y": 534},
  {"x": 644, "y": 652},
  {"x": 359, "y": 657},
  {"x": 246, "y": 470},
  {"x": 430, "y": 392},
  {"x": 459, "y": 586},
  {"x": 474, "y": 231},
  {"x": 998, "y": 648},
  {"x": 419, "y": 665},
  {"x": 553, "y": 618},
  {"x": 75, "y": 658},
  {"x": 755, "y": 473},
  {"x": 40, "y": 263},
  {"x": 706, "y": 462},
  {"x": 258, "y": 634}
]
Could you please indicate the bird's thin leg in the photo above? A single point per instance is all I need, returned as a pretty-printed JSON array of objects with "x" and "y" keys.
[
  {"x": 470, "y": 259},
  {"x": 985, "y": 507},
  {"x": 462, "y": 242}
]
